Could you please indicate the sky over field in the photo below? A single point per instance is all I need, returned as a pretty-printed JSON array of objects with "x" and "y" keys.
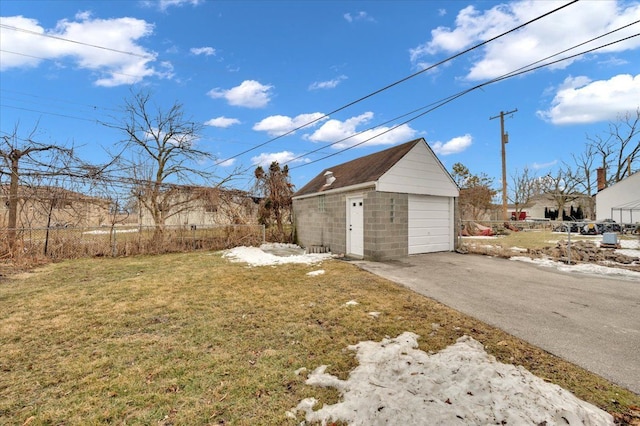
[{"x": 312, "y": 84}]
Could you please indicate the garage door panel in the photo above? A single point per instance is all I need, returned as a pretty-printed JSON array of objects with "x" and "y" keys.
[{"x": 429, "y": 224}]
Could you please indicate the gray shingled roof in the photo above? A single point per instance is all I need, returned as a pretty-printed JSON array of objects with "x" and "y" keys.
[{"x": 361, "y": 170}]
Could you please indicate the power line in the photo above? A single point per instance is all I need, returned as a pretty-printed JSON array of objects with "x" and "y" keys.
[
  {"x": 51, "y": 113},
  {"x": 389, "y": 86},
  {"x": 438, "y": 104},
  {"x": 127, "y": 182},
  {"x": 51, "y": 59},
  {"x": 510, "y": 74},
  {"x": 24, "y": 30},
  {"x": 94, "y": 107}
]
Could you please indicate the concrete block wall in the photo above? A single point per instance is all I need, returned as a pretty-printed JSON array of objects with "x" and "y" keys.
[
  {"x": 386, "y": 221},
  {"x": 321, "y": 221}
]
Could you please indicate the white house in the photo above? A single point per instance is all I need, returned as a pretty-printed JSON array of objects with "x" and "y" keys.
[{"x": 620, "y": 201}]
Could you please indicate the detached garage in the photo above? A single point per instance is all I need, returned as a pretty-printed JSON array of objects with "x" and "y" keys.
[{"x": 386, "y": 205}]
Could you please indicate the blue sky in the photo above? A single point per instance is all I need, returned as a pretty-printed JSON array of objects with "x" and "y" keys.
[{"x": 254, "y": 70}]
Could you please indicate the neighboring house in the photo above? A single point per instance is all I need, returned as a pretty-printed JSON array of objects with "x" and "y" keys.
[
  {"x": 537, "y": 205},
  {"x": 386, "y": 205},
  {"x": 43, "y": 206},
  {"x": 620, "y": 201},
  {"x": 201, "y": 206}
]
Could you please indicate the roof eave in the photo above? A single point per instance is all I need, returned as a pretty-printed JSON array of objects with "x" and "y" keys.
[{"x": 372, "y": 184}]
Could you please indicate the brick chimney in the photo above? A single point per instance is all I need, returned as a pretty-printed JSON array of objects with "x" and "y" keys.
[{"x": 602, "y": 178}]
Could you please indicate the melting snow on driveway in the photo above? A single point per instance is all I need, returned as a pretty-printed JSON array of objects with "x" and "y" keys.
[{"x": 396, "y": 383}]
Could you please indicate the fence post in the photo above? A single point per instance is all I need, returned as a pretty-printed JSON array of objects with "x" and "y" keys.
[
  {"x": 569, "y": 242},
  {"x": 114, "y": 247}
]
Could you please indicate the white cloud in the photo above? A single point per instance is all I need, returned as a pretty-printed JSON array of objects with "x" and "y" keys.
[
  {"x": 278, "y": 125},
  {"x": 358, "y": 16},
  {"x": 539, "y": 166},
  {"x": 249, "y": 94},
  {"x": 330, "y": 84},
  {"x": 453, "y": 146},
  {"x": 163, "y": 5},
  {"x": 119, "y": 59},
  {"x": 265, "y": 159},
  {"x": 207, "y": 51},
  {"x": 335, "y": 130},
  {"x": 222, "y": 122},
  {"x": 228, "y": 163},
  {"x": 580, "y": 100},
  {"x": 556, "y": 32}
]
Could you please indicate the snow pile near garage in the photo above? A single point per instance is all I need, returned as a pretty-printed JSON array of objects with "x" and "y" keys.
[
  {"x": 274, "y": 254},
  {"x": 396, "y": 383}
]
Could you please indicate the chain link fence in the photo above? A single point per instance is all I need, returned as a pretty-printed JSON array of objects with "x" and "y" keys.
[
  {"x": 584, "y": 227},
  {"x": 70, "y": 243}
]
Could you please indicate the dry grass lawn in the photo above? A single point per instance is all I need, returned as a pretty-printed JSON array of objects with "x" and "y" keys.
[{"x": 192, "y": 339}]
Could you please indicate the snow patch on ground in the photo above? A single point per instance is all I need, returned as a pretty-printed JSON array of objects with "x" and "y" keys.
[
  {"x": 630, "y": 244},
  {"x": 519, "y": 249},
  {"x": 316, "y": 273},
  {"x": 396, "y": 383},
  {"x": 264, "y": 255},
  {"x": 108, "y": 231},
  {"x": 481, "y": 237},
  {"x": 586, "y": 268}
]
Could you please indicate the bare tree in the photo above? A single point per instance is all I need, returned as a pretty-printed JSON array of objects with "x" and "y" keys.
[
  {"x": 619, "y": 147},
  {"x": 163, "y": 151},
  {"x": 585, "y": 167},
  {"x": 41, "y": 159},
  {"x": 276, "y": 190},
  {"x": 526, "y": 185},
  {"x": 562, "y": 187}
]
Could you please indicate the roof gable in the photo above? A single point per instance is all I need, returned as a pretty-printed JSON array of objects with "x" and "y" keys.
[
  {"x": 362, "y": 170},
  {"x": 419, "y": 172}
]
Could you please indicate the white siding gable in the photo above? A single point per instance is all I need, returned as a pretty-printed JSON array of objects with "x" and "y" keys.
[{"x": 418, "y": 172}]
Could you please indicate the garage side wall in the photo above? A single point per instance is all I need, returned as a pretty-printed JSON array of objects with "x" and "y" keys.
[
  {"x": 321, "y": 221},
  {"x": 385, "y": 225}
]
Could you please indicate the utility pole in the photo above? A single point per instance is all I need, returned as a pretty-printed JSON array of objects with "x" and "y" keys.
[{"x": 504, "y": 138}]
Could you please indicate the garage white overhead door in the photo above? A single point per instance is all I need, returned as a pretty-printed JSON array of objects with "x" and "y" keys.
[{"x": 430, "y": 224}]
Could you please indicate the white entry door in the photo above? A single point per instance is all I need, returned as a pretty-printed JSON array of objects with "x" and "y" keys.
[{"x": 355, "y": 226}]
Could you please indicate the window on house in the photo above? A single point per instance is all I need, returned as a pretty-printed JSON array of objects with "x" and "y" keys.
[
  {"x": 321, "y": 207},
  {"x": 210, "y": 207}
]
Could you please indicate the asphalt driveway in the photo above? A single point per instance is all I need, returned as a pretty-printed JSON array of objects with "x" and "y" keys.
[{"x": 592, "y": 321}]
